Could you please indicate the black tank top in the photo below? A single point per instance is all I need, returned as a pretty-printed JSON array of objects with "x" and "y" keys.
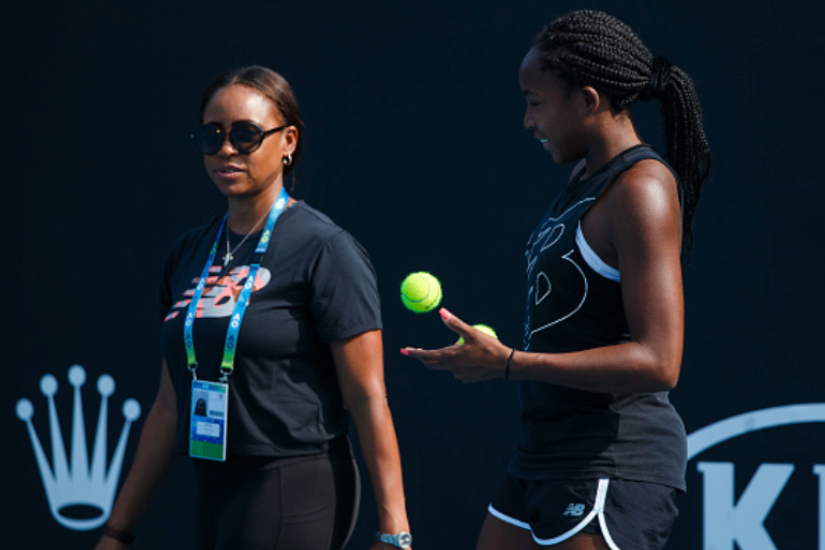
[{"x": 566, "y": 433}]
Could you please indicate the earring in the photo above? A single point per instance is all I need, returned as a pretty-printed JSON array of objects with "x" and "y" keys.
[{"x": 288, "y": 159}]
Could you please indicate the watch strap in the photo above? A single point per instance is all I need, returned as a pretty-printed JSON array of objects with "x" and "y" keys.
[{"x": 399, "y": 540}]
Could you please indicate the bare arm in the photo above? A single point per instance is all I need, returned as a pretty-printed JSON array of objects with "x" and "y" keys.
[
  {"x": 642, "y": 223},
  {"x": 360, "y": 365},
  {"x": 154, "y": 458}
]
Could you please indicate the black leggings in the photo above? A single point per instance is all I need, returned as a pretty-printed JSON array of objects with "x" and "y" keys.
[{"x": 262, "y": 503}]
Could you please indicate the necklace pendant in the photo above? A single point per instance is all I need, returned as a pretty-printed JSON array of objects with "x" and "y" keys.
[{"x": 228, "y": 258}]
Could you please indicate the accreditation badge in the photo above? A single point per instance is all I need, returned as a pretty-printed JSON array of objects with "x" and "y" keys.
[{"x": 207, "y": 420}]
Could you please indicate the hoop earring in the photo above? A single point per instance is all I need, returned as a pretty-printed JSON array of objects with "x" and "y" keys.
[{"x": 288, "y": 159}]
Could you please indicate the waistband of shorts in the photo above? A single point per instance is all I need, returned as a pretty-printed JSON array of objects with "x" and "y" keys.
[{"x": 337, "y": 449}]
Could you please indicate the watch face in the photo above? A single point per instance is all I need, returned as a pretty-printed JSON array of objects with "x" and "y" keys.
[{"x": 404, "y": 540}]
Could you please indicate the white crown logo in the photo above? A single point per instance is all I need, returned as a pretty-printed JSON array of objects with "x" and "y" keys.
[{"x": 81, "y": 483}]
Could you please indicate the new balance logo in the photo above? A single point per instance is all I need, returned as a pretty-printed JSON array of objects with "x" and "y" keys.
[
  {"x": 574, "y": 510},
  {"x": 82, "y": 483}
]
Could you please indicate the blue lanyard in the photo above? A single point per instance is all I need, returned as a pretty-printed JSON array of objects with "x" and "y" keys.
[{"x": 228, "y": 363}]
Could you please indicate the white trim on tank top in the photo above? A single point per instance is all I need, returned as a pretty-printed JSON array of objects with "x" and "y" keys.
[{"x": 592, "y": 259}]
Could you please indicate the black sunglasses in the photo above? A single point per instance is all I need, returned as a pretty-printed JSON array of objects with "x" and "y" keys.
[{"x": 245, "y": 137}]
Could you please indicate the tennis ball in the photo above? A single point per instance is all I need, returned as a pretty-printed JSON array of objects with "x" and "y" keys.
[
  {"x": 481, "y": 328},
  {"x": 421, "y": 292}
]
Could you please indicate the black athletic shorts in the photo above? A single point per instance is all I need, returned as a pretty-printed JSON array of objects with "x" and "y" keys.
[
  {"x": 265, "y": 503},
  {"x": 630, "y": 515}
]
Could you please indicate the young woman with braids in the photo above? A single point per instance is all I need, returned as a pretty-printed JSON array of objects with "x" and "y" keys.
[{"x": 601, "y": 452}]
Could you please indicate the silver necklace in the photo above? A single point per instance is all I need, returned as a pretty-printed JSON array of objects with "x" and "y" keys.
[{"x": 229, "y": 253}]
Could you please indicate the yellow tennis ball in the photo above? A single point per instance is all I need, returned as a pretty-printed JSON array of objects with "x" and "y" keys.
[
  {"x": 481, "y": 328},
  {"x": 421, "y": 292}
]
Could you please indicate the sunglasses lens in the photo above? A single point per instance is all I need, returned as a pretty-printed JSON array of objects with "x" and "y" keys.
[
  {"x": 208, "y": 139},
  {"x": 246, "y": 138}
]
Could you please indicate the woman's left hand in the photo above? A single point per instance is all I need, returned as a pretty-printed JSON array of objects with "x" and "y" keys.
[{"x": 480, "y": 357}]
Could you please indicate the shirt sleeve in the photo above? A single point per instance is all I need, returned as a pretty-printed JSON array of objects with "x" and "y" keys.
[
  {"x": 165, "y": 292},
  {"x": 345, "y": 299}
]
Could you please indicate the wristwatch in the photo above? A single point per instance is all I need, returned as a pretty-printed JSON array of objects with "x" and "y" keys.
[{"x": 400, "y": 540}]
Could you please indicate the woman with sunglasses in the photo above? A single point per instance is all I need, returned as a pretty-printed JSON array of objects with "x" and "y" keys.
[
  {"x": 601, "y": 451},
  {"x": 271, "y": 317}
]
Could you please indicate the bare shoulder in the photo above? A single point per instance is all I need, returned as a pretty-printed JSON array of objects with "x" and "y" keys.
[{"x": 647, "y": 190}]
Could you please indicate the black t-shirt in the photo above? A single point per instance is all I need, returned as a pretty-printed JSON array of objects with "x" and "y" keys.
[
  {"x": 570, "y": 433},
  {"x": 315, "y": 286}
]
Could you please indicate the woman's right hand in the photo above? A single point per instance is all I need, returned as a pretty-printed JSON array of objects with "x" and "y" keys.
[{"x": 154, "y": 458}]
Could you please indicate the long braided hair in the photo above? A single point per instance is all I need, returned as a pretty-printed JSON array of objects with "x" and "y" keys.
[{"x": 592, "y": 48}]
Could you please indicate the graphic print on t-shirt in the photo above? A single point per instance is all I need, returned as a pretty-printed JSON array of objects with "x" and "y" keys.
[
  {"x": 548, "y": 254},
  {"x": 220, "y": 293}
]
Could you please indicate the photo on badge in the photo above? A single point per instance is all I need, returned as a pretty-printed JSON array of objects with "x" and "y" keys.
[{"x": 207, "y": 421}]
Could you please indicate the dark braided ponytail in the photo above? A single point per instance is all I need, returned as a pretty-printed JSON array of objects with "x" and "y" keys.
[{"x": 591, "y": 48}]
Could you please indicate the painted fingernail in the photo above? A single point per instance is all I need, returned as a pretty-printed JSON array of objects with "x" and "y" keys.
[
  {"x": 404, "y": 352},
  {"x": 445, "y": 314}
]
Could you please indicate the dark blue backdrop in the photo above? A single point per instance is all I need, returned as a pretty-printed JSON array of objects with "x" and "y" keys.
[{"x": 414, "y": 143}]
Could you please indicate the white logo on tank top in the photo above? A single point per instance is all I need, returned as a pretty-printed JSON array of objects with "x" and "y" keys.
[{"x": 540, "y": 284}]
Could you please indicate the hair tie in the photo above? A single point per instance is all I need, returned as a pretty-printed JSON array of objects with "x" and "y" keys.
[{"x": 659, "y": 73}]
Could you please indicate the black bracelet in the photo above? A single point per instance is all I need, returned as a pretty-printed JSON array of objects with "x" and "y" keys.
[
  {"x": 509, "y": 362},
  {"x": 117, "y": 534}
]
